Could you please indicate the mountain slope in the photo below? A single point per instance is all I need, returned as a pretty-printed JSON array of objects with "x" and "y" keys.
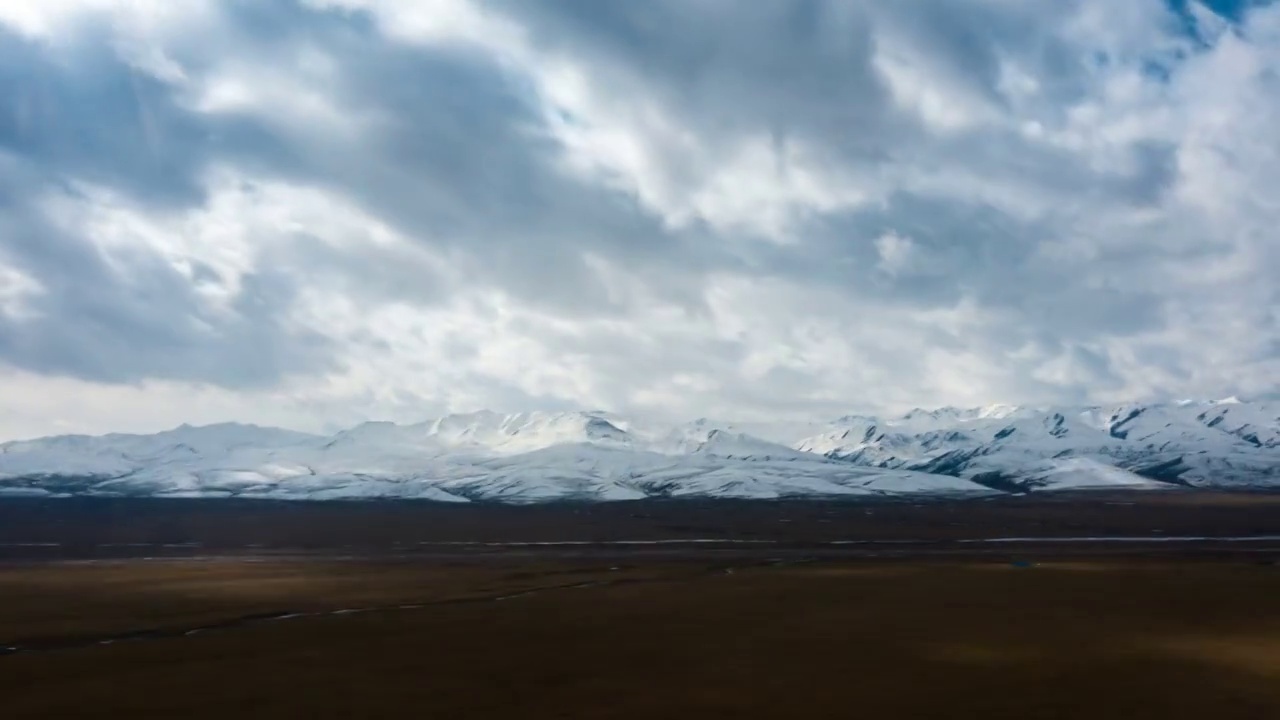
[
  {"x": 594, "y": 456},
  {"x": 1191, "y": 444}
]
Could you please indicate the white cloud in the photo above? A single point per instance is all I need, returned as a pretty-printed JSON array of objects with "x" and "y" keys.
[
  {"x": 921, "y": 91},
  {"x": 436, "y": 21},
  {"x": 136, "y": 25},
  {"x": 964, "y": 203},
  {"x": 45, "y": 19},
  {"x": 896, "y": 252},
  {"x": 16, "y": 288}
]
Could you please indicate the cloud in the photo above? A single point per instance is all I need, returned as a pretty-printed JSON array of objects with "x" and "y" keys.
[{"x": 315, "y": 212}]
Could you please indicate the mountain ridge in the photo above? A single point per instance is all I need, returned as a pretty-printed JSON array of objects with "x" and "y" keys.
[{"x": 595, "y": 455}]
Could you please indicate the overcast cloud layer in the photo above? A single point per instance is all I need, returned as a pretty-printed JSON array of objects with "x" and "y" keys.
[{"x": 315, "y": 212}]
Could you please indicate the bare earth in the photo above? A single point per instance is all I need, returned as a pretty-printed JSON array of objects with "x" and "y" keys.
[{"x": 373, "y": 610}]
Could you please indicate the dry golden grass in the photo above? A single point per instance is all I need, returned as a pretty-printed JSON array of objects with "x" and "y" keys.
[
  {"x": 1129, "y": 638},
  {"x": 60, "y": 601}
]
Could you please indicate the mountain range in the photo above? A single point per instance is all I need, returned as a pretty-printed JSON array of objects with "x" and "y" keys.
[{"x": 600, "y": 456}]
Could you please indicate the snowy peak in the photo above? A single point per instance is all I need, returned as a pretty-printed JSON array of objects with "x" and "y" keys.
[
  {"x": 1257, "y": 423},
  {"x": 537, "y": 456},
  {"x": 1186, "y": 443},
  {"x": 922, "y": 419},
  {"x": 376, "y": 433},
  {"x": 224, "y": 436},
  {"x": 184, "y": 439},
  {"x": 523, "y": 432},
  {"x": 745, "y": 447},
  {"x": 999, "y": 411}
]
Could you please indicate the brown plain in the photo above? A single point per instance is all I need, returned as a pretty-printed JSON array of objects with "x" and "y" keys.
[{"x": 1065, "y": 632}]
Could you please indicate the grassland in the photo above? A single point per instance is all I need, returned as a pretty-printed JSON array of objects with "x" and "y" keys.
[{"x": 1064, "y": 631}]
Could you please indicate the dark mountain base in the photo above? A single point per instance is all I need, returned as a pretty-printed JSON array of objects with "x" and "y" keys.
[{"x": 71, "y": 528}]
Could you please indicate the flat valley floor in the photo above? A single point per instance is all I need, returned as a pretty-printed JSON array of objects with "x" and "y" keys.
[{"x": 1083, "y": 607}]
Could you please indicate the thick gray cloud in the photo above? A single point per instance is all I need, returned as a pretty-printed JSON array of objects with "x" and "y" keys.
[
  {"x": 135, "y": 316},
  {"x": 319, "y": 211},
  {"x": 84, "y": 115}
]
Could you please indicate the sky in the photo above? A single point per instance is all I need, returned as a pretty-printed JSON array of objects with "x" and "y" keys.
[{"x": 311, "y": 213}]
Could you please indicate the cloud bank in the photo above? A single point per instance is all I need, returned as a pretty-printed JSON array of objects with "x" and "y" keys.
[{"x": 315, "y": 212}]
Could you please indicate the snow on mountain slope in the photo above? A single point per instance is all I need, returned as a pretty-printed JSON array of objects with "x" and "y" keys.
[
  {"x": 1084, "y": 473},
  {"x": 708, "y": 438},
  {"x": 1184, "y": 443},
  {"x": 594, "y": 456},
  {"x": 1257, "y": 423},
  {"x": 524, "y": 432},
  {"x": 786, "y": 433},
  {"x": 117, "y": 454},
  {"x": 483, "y": 456}
]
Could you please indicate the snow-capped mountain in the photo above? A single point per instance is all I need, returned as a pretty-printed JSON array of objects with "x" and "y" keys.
[
  {"x": 1195, "y": 444},
  {"x": 536, "y": 456}
]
